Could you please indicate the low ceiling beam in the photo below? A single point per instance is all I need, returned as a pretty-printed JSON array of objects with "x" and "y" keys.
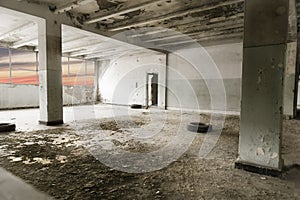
[
  {"x": 115, "y": 53},
  {"x": 122, "y": 9},
  {"x": 5, "y": 44},
  {"x": 183, "y": 25},
  {"x": 39, "y": 12},
  {"x": 145, "y": 21},
  {"x": 74, "y": 39},
  {"x": 24, "y": 42},
  {"x": 208, "y": 29},
  {"x": 78, "y": 48},
  {"x": 17, "y": 29},
  {"x": 87, "y": 52},
  {"x": 235, "y": 36},
  {"x": 88, "y": 47}
]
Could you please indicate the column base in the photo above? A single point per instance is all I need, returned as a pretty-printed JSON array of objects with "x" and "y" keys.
[
  {"x": 288, "y": 117},
  {"x": 257, "y": 169},
  {"x": 52, "y": 123}
]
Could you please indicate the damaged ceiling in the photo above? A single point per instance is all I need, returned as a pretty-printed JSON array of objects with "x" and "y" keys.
[{"x": 205, "y": 21}]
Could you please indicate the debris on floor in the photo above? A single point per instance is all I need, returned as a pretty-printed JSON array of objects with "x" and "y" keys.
[{"x": 58, "y": 162}]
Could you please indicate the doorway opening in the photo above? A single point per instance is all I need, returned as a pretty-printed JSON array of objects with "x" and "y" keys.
[{"x": 152, "y": 89}]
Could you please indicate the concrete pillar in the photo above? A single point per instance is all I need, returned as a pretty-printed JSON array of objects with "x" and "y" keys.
[
  {"x": 265, "y": 34},
  {"x": 50, "y": 52},
  {"x": 289, "y": 108},
  {"x": 289, "y": 81},
  {"x": 100, "y": 69},
  {"x": 96, "y": 81}
]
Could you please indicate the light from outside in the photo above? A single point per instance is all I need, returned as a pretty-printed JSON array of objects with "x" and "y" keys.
[{"x": 23, "y": 69}]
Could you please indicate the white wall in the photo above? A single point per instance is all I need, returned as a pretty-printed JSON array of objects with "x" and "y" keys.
[
  {"x": 187, "y": 86},
  {"x": 24, "y": 96},
  {"x": 124, "y": 81},
  {"x": 15, "y": 96}
]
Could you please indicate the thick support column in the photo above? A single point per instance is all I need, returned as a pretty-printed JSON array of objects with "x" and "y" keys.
[
  {"x": 289, "y": 81},
  {"x": 96, "y": 81},
  {"x": 289, "y": 108},
  {"x": 265, "y": 35},
  {"x": 101, "y": 67},
  {"x": 50, "y": 52}
]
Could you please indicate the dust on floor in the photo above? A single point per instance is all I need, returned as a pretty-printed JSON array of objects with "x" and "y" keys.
[{"x": 62, "y": 162}]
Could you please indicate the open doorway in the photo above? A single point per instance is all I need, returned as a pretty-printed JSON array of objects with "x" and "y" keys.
[{"x": 152, "y": 89}]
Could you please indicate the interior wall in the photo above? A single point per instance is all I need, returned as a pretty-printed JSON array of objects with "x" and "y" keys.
[
  {"x": 27, "y": 96},
  {"x": 124, "y": 81},
  {"x": 187, "y": 89}
]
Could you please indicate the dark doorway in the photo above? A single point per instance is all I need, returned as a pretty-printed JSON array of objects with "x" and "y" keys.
[{"x": 154, "y": 89}]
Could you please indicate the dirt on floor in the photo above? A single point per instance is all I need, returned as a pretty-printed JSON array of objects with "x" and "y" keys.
[{"x": 63, "y": 162}]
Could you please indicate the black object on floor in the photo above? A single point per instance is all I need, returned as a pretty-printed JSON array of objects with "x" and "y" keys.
[
  {"x": 7, "y": 127},
  {"x": 136, "y": 106},
  {"x": 199, "y": 127}
]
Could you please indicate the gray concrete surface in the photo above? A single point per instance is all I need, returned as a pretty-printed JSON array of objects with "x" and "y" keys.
[
  {"x": 27, "y": 119},
  {"x": 13, "y": 188},
  {"x": 263, "y": 82},
  {"x": 50, "y": 53}
]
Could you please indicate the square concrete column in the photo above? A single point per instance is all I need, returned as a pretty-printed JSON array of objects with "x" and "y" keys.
[
  {"x": 265, "y": 35},
  {"x": 50, "y": 52},
  {"x": 290, "y": 106},
  {"x": 100, "y": 69}
]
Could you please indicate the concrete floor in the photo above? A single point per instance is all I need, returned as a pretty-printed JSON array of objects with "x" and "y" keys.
[
  {"x": 11, "y": 187},
  {"x": 27, "y": 120}
]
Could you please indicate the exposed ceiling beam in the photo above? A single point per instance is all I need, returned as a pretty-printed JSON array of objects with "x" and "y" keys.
[
  {"x": 5, "y": 44},
  {"x": 175, "y": 36},
  {"x": 17, "y": 29},
  {"x": 8, "y": 45},
  {"x": 234, "y": 36},
  {"x": 146, "y": 33},
  {"x": 87, "y": 47},
  {"x": 39, "y": 12},
  {"x": 114, "y": 53},
  {"x": 214, "y": 27},
  {"x": 215, "y": 22},
  {"x": 24, "y": 42},
  {"x": 208, "y": 29},
  {"x": 224, "y": 33},
  {"x": 134, "y": 23},
  {"x": 71, "y": 6},
  {"x": 74, "y": 39},
  {"x": 221, "y": 38},
  {"x": 172, "y": 29},
  {"x": 78, "y": 48},
  {"x": 122, "y": 9},
  {"x": 84, "y": 53},
  {"x": 177, "y": 43}
]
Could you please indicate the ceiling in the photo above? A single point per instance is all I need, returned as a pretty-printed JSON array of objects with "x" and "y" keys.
[
  {"x": 16, "y": 32},
  {"x": 205, "y": 21}
]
